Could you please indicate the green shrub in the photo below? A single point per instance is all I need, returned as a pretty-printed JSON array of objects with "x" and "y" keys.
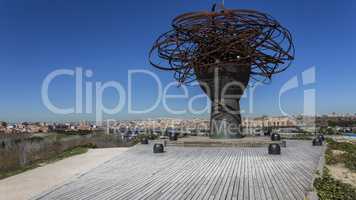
[
  {"x": 149, "y": 136},
  {"x": 36, "y": 139},
  {"x": 329, "y": 140},
  {"x": 152, "y": 136},
  {"x": 303, "y": 136},
  {"x": 342, "y": 146},
  {"x": 330, "y": 189},
  {"x": 330, "y": 159},
  {"x": 89, "y": 146},
  {"x": 350, "y": 161},
  {"x": 348, "y": 158}
]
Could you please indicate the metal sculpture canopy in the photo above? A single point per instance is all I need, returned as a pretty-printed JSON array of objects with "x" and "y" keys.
[
  {"x": 242, "y": 44},
  {"x": 200, "y": 40}
]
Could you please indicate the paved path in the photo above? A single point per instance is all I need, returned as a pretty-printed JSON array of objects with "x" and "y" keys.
[
  {"x": 33, "y": 182},
  {"x": 198, "y": 173}
]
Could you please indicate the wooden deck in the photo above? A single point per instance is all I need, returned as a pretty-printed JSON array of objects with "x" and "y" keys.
[{"x": 198, "y": 173}]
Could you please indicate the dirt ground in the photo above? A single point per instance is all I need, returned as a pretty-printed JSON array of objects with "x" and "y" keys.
[{"x": 340, "y": 172}]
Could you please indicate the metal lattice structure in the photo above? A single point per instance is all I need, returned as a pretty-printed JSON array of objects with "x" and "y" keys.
[{"x": 240, "y": 44}]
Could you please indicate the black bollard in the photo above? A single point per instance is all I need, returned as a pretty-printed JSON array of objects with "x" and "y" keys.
[
  {"x": 275, "y": 137},
  {"x": 317, "y": 142},
  {"x": 158, "y": 148},
  {"x": 274, "y": 149},
  {"x": 144, "y": 141},
  {"x": 173, "y": 136},
  {"x": 321, "y": 137}
]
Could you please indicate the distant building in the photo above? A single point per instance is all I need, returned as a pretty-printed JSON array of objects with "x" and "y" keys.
[{"x": 260, "y": 122}]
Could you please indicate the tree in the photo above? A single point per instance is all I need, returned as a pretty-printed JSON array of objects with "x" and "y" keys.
[
  {"x": 4, "y": 124},
  {"x": 330, "y": 131}
]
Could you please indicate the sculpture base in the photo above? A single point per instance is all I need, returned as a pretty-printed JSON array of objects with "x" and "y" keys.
[
  {"x": 230, "y": 136},
  {"x": 201, "y": 141}
]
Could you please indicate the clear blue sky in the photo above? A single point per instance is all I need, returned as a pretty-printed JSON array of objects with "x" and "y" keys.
[{"x": 111, "y": 37}]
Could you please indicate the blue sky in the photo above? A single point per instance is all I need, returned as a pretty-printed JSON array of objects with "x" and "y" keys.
[{"x": 112, "y": 37}]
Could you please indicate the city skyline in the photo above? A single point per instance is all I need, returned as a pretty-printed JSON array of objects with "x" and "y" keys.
[{"x": 41, "y": 37}]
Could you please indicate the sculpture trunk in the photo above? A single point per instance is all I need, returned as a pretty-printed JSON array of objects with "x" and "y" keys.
[
  {"x": 225, "y": 85},
  {"x": 225, "y": 119}
]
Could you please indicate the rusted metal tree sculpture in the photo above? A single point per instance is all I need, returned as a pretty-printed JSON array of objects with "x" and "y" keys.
[{"x": 222, "y": 50}]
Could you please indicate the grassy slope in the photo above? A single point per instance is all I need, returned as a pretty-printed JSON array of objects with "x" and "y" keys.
[{"x": 65, "y": 154}]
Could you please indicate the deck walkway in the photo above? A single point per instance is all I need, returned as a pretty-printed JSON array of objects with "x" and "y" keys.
[{"x": 198, "y": 173}]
